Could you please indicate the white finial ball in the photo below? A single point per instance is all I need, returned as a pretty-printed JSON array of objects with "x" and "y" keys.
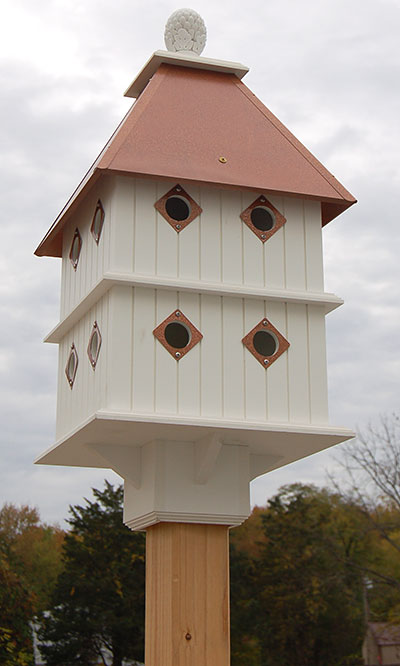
[{"x": 185, "y": 31}]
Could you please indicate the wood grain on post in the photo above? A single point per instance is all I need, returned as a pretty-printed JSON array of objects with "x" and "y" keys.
[{"x": 187, "y": 595}]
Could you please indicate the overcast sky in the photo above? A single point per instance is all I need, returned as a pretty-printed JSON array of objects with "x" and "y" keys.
[{"x": 330, "y": 71}]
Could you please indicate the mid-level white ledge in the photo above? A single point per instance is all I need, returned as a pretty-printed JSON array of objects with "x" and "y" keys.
[{"x": 326, "y": 300}]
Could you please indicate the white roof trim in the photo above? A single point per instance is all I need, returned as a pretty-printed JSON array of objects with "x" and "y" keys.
[{"x": 182, "y": 60}]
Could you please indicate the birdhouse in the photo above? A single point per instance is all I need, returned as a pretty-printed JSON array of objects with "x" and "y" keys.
[{"x": 192, "y": 354}]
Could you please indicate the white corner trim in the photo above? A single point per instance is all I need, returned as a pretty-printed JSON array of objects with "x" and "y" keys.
[
  {"x": 181, "y": 60},
  {"x": 206, "y": 453}
]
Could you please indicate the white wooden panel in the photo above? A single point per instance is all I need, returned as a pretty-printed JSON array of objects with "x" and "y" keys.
[
  {"x": 189, "y": 243},
  {"x": 277, "y": 374},
  {"x": 189, "y": 365},
  {"x": 294, "y": 244},
  {"x": 211, "y": 356},
  {"x": 255, "y": 374},
  {"x": 122, "y": 224},
  {"x": 119, "y": 336},
  {"x": 210, "y": 235},
  {"x": 166, "y": 367},
  {"x": 144, "y": 349},
  {"x": 313, "y": 231},
  {"x": 232, "y": 242},
  {"x": 145, "y": 227},
  {"x": 317, "y": 360},
  {"x": 167, "y": 241},
  {"x": 233, "y": 357},
  {"x": 298, "y": 368},
  {"x": 253, "y": 249},
  {"x": 274, "y": 252}
]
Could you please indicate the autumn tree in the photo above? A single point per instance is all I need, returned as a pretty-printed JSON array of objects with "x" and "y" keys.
[
  {"x": 98, "y": 604},
  {"x": 306, "y": 599},
  {"x": 370, "y": 481},
  {"x": 30, "y": 560}
]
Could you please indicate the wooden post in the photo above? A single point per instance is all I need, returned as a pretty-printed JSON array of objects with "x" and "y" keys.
[{"x": 187, "y": 595}]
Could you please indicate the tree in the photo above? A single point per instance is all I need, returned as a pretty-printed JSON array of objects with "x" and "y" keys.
[
  {"x": 98, "y": 603},
  {"x": 308, "y": 601},
  {"x": 371, "y": 482},
  {"x": 30, "y": 560}
]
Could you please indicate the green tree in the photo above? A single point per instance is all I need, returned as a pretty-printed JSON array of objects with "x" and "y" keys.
[
  {"x": 98, "y": 603},
  {"x": 306, "y": 606},
  {"x": 16, "y": 610}
]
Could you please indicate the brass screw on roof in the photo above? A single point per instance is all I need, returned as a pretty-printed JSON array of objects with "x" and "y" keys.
[{"x": 223, "y": 160}]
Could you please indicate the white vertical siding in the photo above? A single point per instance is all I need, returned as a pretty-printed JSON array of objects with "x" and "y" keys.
[
  {"x": 210, "y": 236},
  {"x": 211, "y": 377},
  {"x": 294, "y": 245},
  {"x": 143, "y": 343},
  {"x": 88, "y": 392},
  {"x": 122, "y": 225},
  {"x": 145, "y": 248},
  {"x": 317, "y": 364},
  {"x": 233, "y": 357},
  {"x": 218, "y": 378},
  {"x": 166, "y": 367},
  {"x": 94, "y": 258},
  {"x": 119, "y": 341},
  {"x": 232, "y": 237},
  {"x": 298, "y": 365},
  {"x": 189, "y": 366},
  {"x": 277, "y": 374},
  {"x": 255, "y": 374},
  {"x": 313, "y": 245}
]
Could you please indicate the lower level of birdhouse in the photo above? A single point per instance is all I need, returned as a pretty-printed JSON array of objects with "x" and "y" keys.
[{"x": 149, "y": 371}]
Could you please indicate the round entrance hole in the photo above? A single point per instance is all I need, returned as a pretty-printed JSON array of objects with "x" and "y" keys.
[
  {"x": 262, "y": 218},
  {"x": 177, "y": 335},
  {"x": 265, "y": 343},
  {"x": 177, "y": 208}
]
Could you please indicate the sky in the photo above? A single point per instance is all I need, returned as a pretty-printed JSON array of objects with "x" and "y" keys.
[{"x": 330, "y": 71}]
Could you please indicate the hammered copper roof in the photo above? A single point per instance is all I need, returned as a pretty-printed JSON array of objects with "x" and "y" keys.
[{"x": 185, "y": 120}]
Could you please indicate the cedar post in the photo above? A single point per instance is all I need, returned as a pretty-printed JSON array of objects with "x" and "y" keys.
[{"x": 187, "y": 595}]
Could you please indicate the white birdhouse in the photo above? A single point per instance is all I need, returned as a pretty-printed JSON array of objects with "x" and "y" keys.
[{"x": 192, "y": 333}]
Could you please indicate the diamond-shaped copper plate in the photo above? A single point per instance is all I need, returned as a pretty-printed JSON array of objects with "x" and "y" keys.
[
  {"x": 281, "y": 343},
  {"x": 180, "y": 193},
  {"x": 75, "y": 250},
  {"x": 93, "y": 348},
  {"x": 278, "y": 219},
  {"x": 194, "y": 335},
  {"x": 71, "y": 365},
  {"x": 97, "y": 222}
]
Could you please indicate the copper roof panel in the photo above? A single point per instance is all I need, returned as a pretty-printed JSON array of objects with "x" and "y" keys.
[{"x": 186, "y": 120}]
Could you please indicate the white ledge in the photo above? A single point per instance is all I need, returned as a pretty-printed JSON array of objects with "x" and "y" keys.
[
  {"x": 326, "y": 300},
  {"x": 181, "y": 60}
]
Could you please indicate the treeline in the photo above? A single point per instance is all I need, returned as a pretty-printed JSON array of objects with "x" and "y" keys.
[{"x": 307, "y": 570}]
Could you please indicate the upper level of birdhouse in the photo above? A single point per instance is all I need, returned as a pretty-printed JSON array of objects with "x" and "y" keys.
[{"x": 200, "y": 187}]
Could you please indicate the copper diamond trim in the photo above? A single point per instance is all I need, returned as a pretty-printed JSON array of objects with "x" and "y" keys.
[
  {"x": 263, "y": 203},
  {"x": 75, "y": 250},
  {"x": 97, "y": 222},
  {"x": 93, "y": 348},
  {"x": 72, "y": 365},
  {"x": 281, "y": 343},
  {"x": 194, "y": 334},
  {"x": 180, "y": 193}
]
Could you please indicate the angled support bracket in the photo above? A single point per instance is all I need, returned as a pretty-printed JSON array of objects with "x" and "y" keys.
[
  {"x": 206, "y": 452},
  {"x": 124, "y": 460}
]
